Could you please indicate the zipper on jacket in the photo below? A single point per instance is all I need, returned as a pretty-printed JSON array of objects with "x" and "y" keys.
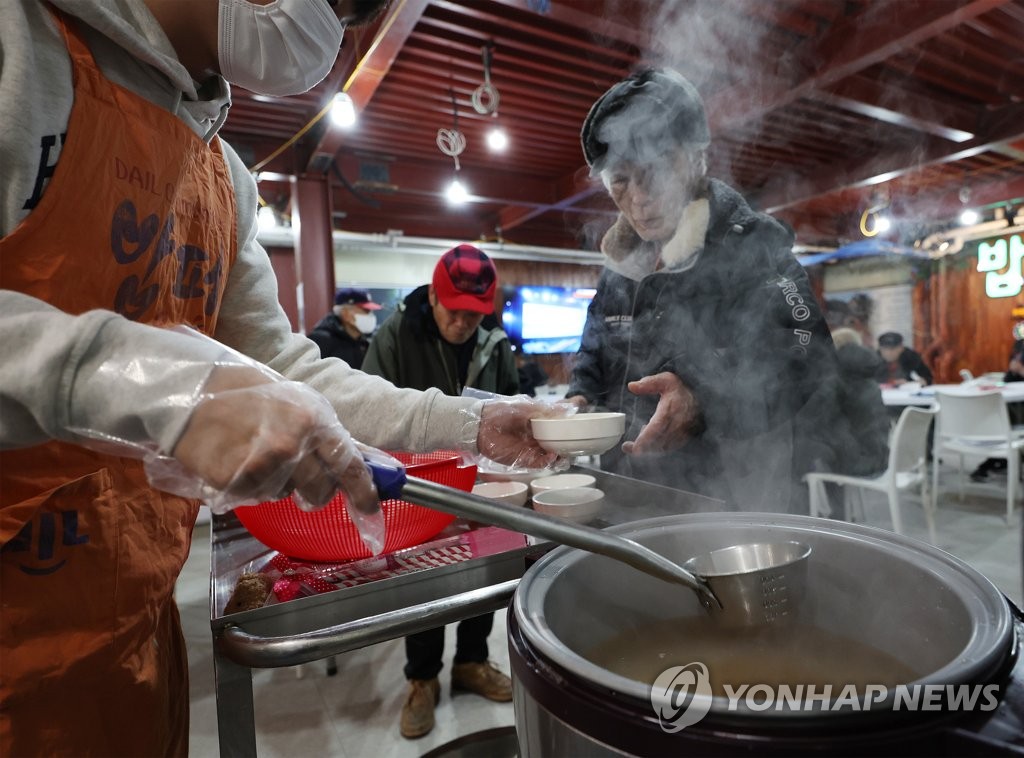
[{"x": 453, "y": 380}]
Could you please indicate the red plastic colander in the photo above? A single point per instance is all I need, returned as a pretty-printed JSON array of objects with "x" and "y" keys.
[{"x": 329, "y": 534}]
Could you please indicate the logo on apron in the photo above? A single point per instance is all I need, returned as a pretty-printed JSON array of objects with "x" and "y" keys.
[{"x": 49, "y": 555}]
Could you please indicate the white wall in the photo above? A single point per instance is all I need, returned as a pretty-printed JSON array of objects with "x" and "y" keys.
[
  {"x": 889, "y": 283},
  {"x": 865, "y": 273},
  {"x": 373, "y": 268}
]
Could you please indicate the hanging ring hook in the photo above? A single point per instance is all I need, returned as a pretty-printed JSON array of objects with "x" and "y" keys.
[{"x": 485, "y": 97}]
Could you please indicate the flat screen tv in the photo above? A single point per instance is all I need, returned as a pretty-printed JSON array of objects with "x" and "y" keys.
[{"x": 546, "y": 319}]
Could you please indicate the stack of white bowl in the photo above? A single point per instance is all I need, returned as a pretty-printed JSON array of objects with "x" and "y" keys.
[{"x": 570, "y": 496}]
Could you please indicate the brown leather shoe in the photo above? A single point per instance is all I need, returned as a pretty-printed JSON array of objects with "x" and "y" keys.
[
  {"x": 418, "y": 710},
  {"x": 483, "y": 679}
]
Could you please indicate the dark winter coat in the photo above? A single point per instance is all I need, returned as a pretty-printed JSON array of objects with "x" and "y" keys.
[
  {"x": 739, "y": 326},
  {"x": 335, "y": 342},
  {"x": 408, "y": 351},
  {"x": 861, "y": 432}
]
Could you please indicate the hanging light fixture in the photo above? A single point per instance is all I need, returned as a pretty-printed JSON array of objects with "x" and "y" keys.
[
  {"x": 497, "y": 139},
  {"x": 969, "y": 217},
  {"x": 457, "y": 193},
  {"x": 343, "y": 111}
]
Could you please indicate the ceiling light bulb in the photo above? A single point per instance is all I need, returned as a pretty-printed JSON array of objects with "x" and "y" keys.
[
  {"x": 266, "y": 218},
  {"x": 343, "y": 111},
  {"x": 456, "y": 193},
  {"x": 882, "y": 224},
  {"x": 969, "y": 217},
  {"x": 497, "y": 139}
]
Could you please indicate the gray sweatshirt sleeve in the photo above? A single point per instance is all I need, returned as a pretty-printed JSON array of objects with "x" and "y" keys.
[
  {"x": 65, "y": 376},
  {"x": 371, "y": 408}
]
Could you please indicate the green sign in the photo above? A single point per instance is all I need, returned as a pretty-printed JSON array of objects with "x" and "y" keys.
[{"x": 1000, "y": 261}]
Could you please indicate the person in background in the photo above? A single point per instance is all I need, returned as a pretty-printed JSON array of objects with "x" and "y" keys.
[
  {"x": 901, "y": 363},
  {"x": 704, "y": 330},
  {"x": 1014, "y": 373},
  {"x": 436, "y": 340},
  {"x": 344, "y": 333},
  {"x": 123, "y": 219},
  {"x": 862, "y": 430},
  {"x": 531, "y": 375}
]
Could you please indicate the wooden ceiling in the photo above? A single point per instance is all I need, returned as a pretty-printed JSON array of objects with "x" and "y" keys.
[{"x": 818, "y": 110}]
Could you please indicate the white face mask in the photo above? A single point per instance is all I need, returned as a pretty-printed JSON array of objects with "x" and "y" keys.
[
  {"x": 283, "y": 48},
  {"x": 365, "y": 322}
]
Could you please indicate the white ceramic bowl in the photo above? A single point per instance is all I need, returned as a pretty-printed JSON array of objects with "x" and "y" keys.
[
  {"x": 579, "y": 504},
  {"x": 561, "y": 482},
  {"x": 490, "y": 471},
  {"x": 581, "y": 426},
  {"x": 570, "y": 448},
  {"x": 510, "y": 493}
]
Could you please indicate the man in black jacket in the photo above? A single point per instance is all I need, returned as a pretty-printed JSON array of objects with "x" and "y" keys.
[
  {"x": 901, "y": 364},
  {"x": 704, "y": 330},
  {"x": 344, "y": 333}
]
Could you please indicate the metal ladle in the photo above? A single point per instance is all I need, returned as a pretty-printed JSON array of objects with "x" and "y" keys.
[{"x": 448, "y": 500}]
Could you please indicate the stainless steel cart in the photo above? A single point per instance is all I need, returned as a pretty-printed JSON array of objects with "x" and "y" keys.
[{"x": 467, "y": 570}]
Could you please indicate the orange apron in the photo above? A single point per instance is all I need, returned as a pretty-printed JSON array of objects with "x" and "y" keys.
[{"x": 138, "y": 218}]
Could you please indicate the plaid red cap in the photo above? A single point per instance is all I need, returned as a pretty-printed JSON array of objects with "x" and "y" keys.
[{"x": 465, "y": 280}]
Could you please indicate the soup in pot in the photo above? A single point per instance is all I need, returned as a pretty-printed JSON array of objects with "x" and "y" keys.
[{"x": 785, "y": 654}]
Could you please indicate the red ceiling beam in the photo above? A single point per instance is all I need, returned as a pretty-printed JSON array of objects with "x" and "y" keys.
[
  {"x": 569, "y": 189},
  {"x": 947, "y": 204},
  {"x": 505, "y": 187},
  {"x": 372, "y": 68},
  {"x": 475, "y": 17},
  {"x": 867, "y": 97},
  {"x": 599, "y": 26},
  {"x": 559, "y": 61},
  {"x": 1000, "y": 128},
  {"x": 869, "y": 38}
]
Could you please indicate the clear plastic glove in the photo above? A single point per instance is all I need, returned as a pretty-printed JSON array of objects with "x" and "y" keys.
[
  {"x": 370, "y": 524},
  {"x": 503, "y": 432},
  {"x": 676, "y": 415},
  {"x": 248, "y": 435},
  {"x": 253, "y": 438}
]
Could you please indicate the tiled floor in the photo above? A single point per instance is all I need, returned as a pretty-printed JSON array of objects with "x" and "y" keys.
[{"x": 355, "y": 713}]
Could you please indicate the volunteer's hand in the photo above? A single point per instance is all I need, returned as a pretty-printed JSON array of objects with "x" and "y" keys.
[
  {"x": 676, "y": 414},
  {"x": 505, "y": 434},
  {"x": 251, "y": 439}
]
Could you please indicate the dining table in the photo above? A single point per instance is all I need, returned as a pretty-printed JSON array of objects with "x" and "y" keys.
[{"x": 924, "y": 396}]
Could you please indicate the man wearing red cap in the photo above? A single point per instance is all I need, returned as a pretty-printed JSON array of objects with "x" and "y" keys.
[{"x": 436, "y": 340}]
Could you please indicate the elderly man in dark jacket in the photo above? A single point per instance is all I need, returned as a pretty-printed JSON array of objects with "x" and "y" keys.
[{"x": 704, "y": 330}]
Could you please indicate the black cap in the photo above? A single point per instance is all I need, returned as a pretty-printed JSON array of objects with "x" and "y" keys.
[
  {"x": 890, "y": 339},
  {"x": 641, "y": 118},
  {"x": 352, "y": 296}
]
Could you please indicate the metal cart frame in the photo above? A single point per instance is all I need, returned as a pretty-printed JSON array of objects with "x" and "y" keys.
[{"x": 318, "y": 626}]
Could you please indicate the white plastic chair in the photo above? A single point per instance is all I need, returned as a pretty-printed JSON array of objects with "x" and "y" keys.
[
  {"x": 977, "y": 423},
  {"x": 907, "y": 468}
]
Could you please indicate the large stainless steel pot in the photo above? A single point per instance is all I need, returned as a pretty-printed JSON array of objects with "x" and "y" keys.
[{"x": 900, "y": 596}]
